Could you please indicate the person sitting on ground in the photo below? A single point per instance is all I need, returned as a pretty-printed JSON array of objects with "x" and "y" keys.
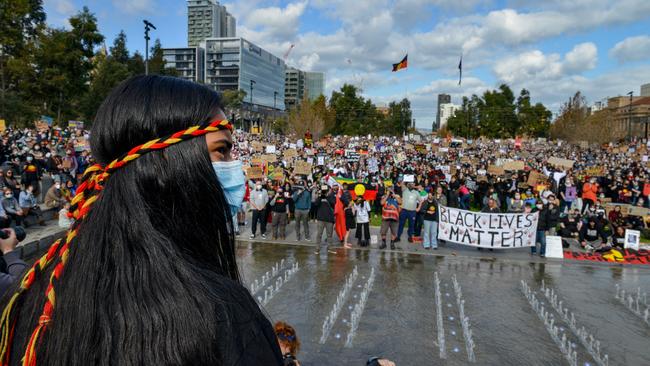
[
  {"x": 289, "y": 343},
  {"x": 11, "y": 207},
  {"x": 618, "y": 239},
  {"x": 29, "y": 205},
  {"x": 616, "y": 217},
  {"x": 570, "y": 224},
  {"x": 65, "y": 222},
  {"x": 592, "y": 236},
  {"x": 54, "y": 197}
]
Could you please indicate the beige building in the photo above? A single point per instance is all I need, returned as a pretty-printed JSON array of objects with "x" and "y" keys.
[{"x": 622, "y": 112}]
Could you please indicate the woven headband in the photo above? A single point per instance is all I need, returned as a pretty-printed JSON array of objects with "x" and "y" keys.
[{"x": 87, "y": 193}]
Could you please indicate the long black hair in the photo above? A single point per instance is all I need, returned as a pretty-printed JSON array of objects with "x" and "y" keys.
[{"x": 155, "y": 256}]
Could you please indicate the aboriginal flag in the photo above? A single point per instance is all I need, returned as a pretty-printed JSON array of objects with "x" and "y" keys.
[{"x": 402, "y": 64}]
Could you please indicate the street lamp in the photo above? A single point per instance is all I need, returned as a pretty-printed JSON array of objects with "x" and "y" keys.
[
  {"x": 147, "y": 28},
  {"x": 629, "y": 118},
  {"x": 252, "y": 83}
]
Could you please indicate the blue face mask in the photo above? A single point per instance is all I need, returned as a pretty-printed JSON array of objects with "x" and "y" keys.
[{"x": 231, "y": 177}]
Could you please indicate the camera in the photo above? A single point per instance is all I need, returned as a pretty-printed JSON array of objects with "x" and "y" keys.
[
  {"x": 20, "y": 233},
  {"x": 289, "y": 360}
]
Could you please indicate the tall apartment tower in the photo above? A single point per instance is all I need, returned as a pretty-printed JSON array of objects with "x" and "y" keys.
[
  {"x": 208, "y": 19},
  {"x": 442, "y": 99}
]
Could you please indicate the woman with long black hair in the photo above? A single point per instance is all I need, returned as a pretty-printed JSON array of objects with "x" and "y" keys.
[{"x": 147, "y": 274}]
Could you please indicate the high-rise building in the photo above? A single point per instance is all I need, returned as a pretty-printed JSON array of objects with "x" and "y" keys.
[
  {"x": 294, "y": 87},
  {"x": 314, "y": 84},
  {"x": 188, "y": 61},
  {"x": 445, "y": 111},
  {"x": 237, "y": 64},
  {"x": 645, "y": 90},
  {"x": 442, "y": 99},
  {"x": 208, "y": 19}
]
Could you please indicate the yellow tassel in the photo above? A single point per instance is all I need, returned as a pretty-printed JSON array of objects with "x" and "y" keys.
[{"x": 4, "y": 324}]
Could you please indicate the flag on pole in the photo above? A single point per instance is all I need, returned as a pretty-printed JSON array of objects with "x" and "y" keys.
[
  {"x": 460, "y": 70},
  {"x": 402, "y": 64}
]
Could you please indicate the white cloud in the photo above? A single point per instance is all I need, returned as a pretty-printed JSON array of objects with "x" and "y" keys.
[
  {"x": 277, "y": 22},
  {"x": 307, "y": 62},
  {"x": 63, "y": 7},
  {"x": 631, "y": 49},
  {"x": 533, "y": 66},
  {"x": 133, "y": 7}
]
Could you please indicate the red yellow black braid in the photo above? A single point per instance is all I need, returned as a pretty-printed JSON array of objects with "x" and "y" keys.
[{"x": 87, "y": 193}]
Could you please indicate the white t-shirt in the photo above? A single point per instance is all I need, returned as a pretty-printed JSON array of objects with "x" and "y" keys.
[{"x": 363, "y": 212}]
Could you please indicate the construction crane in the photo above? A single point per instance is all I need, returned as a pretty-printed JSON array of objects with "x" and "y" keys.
[{"x": 286, "y": 54}]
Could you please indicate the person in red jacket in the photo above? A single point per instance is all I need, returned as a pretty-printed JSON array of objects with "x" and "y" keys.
[{"x": 589, "y": 194}]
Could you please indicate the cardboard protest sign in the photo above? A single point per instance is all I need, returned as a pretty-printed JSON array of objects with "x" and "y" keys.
[
  {"x": 76, "y": 124},
  {"x": 277, "y": 174},
  {"x": 484, "y": 230},
  {"x": 584, "y": 144},
  {"x": 399, "y": 157},
  {"x": 320, "y": 160},
  {"x": 269, "y": 158},
  {"x": 638, "y": 211},
  {"x": 535, "y": 178},
  {"x": 258, "y": 146},
  {"x": 302, "y": 168},
  {"x": 514, "y": 165},
  {"x": 3, "y": 125},
  {"x": 597, "y": 171},
  {"x": 257, "y": 161},
  {"x": 409, "y": 147},
  {"x": 562, "y": 163},
  {"x": 255, "y": 172},
  {"x": 290, "y": 154},
  {"x": 270, "y": 149},
  {"x": 496, "y": 170}
]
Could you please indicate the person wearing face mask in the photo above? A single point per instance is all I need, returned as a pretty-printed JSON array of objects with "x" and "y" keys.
[
  {"x": 258, "y": 199},
  {"x": 70, "y": 164},
  {"x": 31, "y": 174},
  {"x": 570, "y": 225},
  {"x": 542, "y": 228},
  {"x": 29, "y": 205},
  {"x": 155, "y": 220},
  {"x": 54, "y": 197},
  {"x": 301, "y": 198},
  {"x": 11, "y": 207},
  {"x": 516, "y": 204},
  {"x": 11, "y": 182},
  {"x": 280, "y": 214},
  {"x": 430, "y": 235},
  {"x": 589, "y": 194}
]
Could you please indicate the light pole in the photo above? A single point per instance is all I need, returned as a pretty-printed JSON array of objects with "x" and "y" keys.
[
  {"x": 629, "y": 118},
  {"x": 252, "y": 83},
  {"x": 147, "y": 28}
]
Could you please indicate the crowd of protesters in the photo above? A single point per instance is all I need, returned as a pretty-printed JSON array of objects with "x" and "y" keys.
[
  {"x": 588, "y": 194},
  {"x": 40, "y": 167}
]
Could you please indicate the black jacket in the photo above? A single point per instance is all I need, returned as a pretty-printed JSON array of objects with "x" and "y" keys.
[
  {"x": 325, "y": 208},
  {"x": 12, "y": 267}
]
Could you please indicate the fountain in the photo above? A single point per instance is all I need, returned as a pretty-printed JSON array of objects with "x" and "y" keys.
[
  {"x": 464, "y": 321},
  {"x": 549, "y": 323},
  {"x": 440, "y": 325},
  {"x": 280, "y": 281},
  {"x": 634, "y": 303},
  {"x": 261, "y": 283},
  {"x": 588, "y": 341},
  {"x": 330, "y": 319},
  {"x": 355, "y": 315}
]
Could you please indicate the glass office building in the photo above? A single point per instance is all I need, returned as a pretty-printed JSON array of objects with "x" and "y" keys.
[
  {"x": 188, "y": 62},
  {"x": 314, "y": 84},
  {"x": 235, "y": 63}
]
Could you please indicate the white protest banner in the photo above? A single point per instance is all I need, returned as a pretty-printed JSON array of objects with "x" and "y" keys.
[
  {"x": 270, "y": 149},
  {"x": 632, "y": 239},
  {"x": 554, "y": 247},
  {"x": 485, "y": 230},
  {"x": 321, "y": 160},
  {"x": 399, "y": 157}
]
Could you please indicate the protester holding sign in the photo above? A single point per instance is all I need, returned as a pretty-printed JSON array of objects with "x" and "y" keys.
[
  {"x": 430, "y": 227},
  {"x": 410, "y": 200},
  {"x": 302, "y": 202},
  {"x": 258, "y": 200}
]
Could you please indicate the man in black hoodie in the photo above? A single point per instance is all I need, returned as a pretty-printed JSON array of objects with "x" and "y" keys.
[
  {"x": 590, "y": 235},
  {"x": 325, "y": 203},
  {"x": 542, "y": 227}
]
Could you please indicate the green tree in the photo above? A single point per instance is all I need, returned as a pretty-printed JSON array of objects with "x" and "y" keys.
[
  {"x": 64, "y": 64},
  {"x": 354, "y": 115},
  {"x": 136, "y": 64},
  {"x": 534, "y": 120},
  {"x": 399, "y": 118},
  {"x": 157, "y": 62},
  {"x": 21, "y": 23},
  {"x": 570, "y": 121}
]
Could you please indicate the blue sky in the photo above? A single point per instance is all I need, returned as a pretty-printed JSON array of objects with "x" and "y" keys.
[{"x": 552, "y": 48}]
